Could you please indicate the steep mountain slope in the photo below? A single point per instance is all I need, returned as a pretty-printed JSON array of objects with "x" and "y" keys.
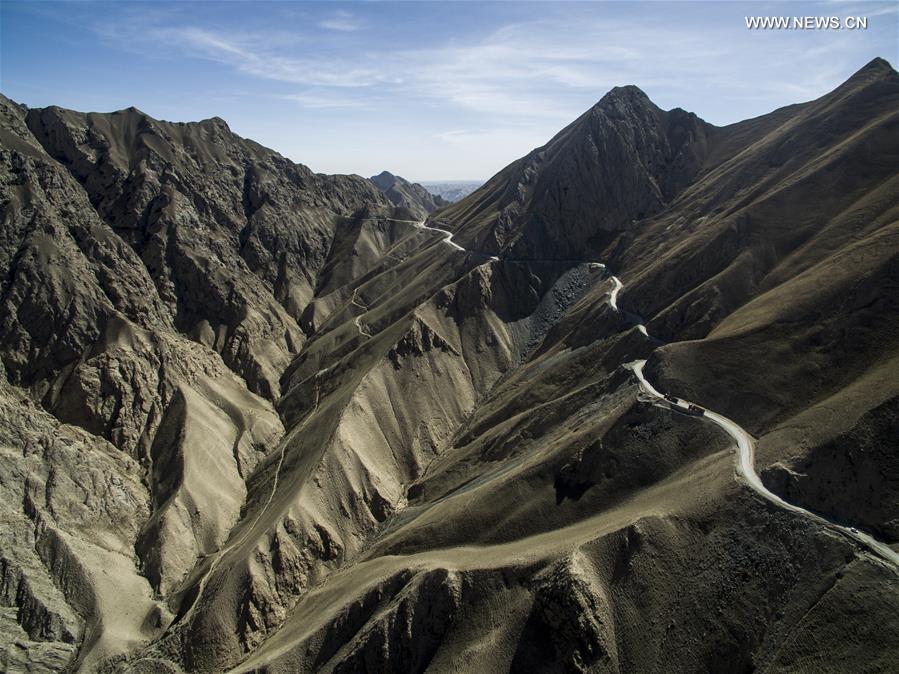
[
  {"x": 791, "y": 282},
  {"x": 774, "y": 270},
  {"x": 313, "y": 435},
  {"x": 232, "y": 234},
  {"x": 126, "y": 282},
  {"x": 410, "y": 196},
  {"x": 622, "y": 160}
]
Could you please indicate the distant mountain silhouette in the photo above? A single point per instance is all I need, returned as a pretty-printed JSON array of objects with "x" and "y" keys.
[{"x": 410, "y": 196}]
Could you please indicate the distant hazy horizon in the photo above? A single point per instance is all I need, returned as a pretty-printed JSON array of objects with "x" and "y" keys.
[
  {"x": 438, "y": 181},
  {"x": 423, "y": 89}
]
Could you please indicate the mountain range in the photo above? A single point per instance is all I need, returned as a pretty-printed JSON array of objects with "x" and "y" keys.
[{"x": 632, "y": 405}]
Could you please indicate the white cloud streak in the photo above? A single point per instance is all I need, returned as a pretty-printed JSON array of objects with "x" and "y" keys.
[
  {"x": 519, "y": 70},
  {"x": 540, "y": 69},
  {"x": 342, "y": 21}
]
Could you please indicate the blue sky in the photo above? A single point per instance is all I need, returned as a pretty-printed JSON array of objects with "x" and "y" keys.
[{"x": 450, "y": 90}]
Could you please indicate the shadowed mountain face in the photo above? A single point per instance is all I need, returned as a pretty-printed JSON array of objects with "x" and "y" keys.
[
  {"x": 255, "y": 419},
  {"x": 621, "y": 161},
  {"x": 410, "y": 196}
]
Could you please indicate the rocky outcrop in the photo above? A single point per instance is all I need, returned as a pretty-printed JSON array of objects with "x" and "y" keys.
[
  {"x": 417, "y": 341},
  {"x": 74, "y": 505},
  {"x": 574, "y": 611}
]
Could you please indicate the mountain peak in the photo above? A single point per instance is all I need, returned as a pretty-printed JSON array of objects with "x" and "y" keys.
[
  {"x": 628, "y": 94},
  {"x": 216, "y": 121},
  {"x": 625, "y": 101},
  {"x": 384, "y": 180},
  {"x": 874, "y": 70},
  {"x": 130, "y": 110},
  {"x": 404, "y": 194},
  {"x": 877, "y": 64}
]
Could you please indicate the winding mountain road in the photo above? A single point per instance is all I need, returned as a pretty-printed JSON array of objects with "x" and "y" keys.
[
  {"x": 745, "y": 450},
  {"x": 613, "y": 299},
  {"x": 358, "y": 319},
  {"x": 420, "y": 224},
  {"x": 446, "y": 234},
  {"x": 746, "y": 469},
  {"x": 746, "y": 454},
  {"x": 745, "y": 465}
]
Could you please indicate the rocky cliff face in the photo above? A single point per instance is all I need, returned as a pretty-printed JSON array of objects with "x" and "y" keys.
[
  {"x": 154, "y": 276},
  {"x": 253, "y": 419},
  {"x": 232, "y": 235}
]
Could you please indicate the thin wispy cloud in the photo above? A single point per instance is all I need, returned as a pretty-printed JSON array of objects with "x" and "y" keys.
[
  {"x": 252, "y": 54},
  {"x": 538, "y": 68},
  {"x": 323, "y": 100},
  {"x": 439, "y": 85},
  {"x": 342, "y": 21},
  {"x": 520, "y": 69}
]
